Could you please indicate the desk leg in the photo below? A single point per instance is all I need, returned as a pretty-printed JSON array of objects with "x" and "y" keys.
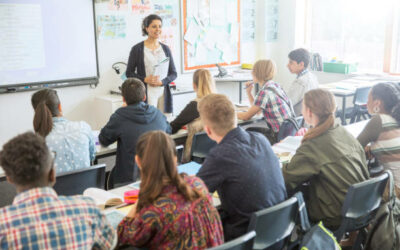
[
  {"x": 240, "y": 92},
  {"x": 344, "y": 110}
]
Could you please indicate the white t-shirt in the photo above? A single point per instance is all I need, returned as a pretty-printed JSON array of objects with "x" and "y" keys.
[{"x": 152, "y": 58}]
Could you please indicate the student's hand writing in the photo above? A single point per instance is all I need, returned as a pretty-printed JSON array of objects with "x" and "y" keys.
[{"x": 249, "y": 86}]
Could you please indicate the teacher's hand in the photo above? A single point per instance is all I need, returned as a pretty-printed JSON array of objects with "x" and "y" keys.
[{"x": 156, "y": 81}]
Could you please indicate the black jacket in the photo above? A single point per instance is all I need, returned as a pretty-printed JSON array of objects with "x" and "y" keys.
[
  {"x": 126, "y": 125},
  {"x": 137, "y": 69}
]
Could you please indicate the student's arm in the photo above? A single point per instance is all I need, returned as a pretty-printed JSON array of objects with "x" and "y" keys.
[
  {"x": 133, "y": 61},
  {"x": 371, "y": 131},
  {"x": 249, "y": 113},
  {"x": 249, "y": 89},
  {"x": 300, "y": 169},
  {"x": 188, "y": 114},
  {"x": 211, "y": 172},
  {"x": 296, "y": 92},
  {"x": 111, "y": 132},
  {"x": 139, "y": 230}
]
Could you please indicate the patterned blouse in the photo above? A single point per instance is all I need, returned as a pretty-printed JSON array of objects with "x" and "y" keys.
[
  {"x": 171, "y": 222},
  {"x": 274, "y": 103}
]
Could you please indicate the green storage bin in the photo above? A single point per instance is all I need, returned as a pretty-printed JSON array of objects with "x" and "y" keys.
[{"x": 342, "y": 68}]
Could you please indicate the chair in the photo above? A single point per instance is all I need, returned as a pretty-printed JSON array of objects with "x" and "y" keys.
[
  {"x": 75, "y": 182},
  {"x": 274, "y": 224},
  {"x": 244, "y": 242},
  {"x": 360, "y": 206},
  {"x": 7, "y": 192},
  {"x": 359, "y": 107},
  {"x": 289, "y": 127},
  {"x": 200, "y": 146}
]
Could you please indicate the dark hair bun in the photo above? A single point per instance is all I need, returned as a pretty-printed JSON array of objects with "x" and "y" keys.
[{"x": 147, "y": 21}]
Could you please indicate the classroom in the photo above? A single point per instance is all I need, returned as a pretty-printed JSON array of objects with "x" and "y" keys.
[{"x": 200, "y": 124}]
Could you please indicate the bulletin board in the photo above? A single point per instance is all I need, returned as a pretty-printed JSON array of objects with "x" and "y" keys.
[{"x": 211, "y": 33}]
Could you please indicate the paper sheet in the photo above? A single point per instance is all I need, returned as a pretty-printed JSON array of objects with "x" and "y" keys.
[
  {"x": 161, "y": 69},
  {"x": 100, "y": 196},
  {"x": 191, "y": 168},
  {"x": 192, "y": 33}
]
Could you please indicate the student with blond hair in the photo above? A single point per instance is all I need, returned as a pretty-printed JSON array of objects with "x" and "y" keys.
[
  {"x": 174, "y": 211},
  {"x": 271, "y": 99},
  {"x": 203, "y": 84},
  {"x": 329, "y": 158},
  {"x": 242, "y": 167}
]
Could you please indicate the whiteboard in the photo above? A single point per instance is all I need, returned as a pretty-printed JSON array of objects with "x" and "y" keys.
[
  {"x": 47, "y": 42},
  {"x": 210, "y": 33}
]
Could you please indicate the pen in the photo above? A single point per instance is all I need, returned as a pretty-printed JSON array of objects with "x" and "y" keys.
[{"x": 249, "y": 85}]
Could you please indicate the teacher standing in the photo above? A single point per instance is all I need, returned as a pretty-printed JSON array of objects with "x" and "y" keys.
[{"x": 142, "y": 59}]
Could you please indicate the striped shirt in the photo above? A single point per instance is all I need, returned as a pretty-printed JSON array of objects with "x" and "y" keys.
[
  {"x": 383, "y": 132},
  {"x": 39, "y": 219},
  {"x": 274, "y": 103}
]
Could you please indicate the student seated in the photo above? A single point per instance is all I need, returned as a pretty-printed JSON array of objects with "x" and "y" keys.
[
  {"x": 38, "y": 218},
  {"x": 299, "y": 60},
  {"x": 329, "y": 158},
  {"x": 383, "y": 130},
  {"x": 271, "y": 99},
  {"x": 242, "y": 167},
  {"x": 72, "y": 141},
  {"x": 126, "y": 125},
  {"x": 203, "y": 84},
  {"x": 174, "y": 211}
]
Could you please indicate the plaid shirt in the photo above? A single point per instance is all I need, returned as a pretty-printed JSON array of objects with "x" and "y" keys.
[
  {"x": 274, "y": 108},
  {"x": 39, "y": 219}
]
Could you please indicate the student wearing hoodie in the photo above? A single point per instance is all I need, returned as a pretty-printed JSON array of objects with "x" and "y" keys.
[{"x": 126, "y": 125}]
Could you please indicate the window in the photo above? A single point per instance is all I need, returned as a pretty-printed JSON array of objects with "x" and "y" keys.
[{"x": 355, "y": 31}]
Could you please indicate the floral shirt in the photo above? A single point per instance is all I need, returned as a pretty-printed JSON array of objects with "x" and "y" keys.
[{"x": 172, "y": 222}]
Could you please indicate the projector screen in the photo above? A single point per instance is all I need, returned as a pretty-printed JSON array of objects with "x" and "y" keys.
[{"x": 47, "y": 43}]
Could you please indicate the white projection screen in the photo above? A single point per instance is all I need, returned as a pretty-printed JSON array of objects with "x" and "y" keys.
[{"x": 47, "y": 43}]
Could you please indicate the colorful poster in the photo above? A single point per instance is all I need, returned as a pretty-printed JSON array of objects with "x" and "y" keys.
[
  {"x": 118, "y": 4},
  {"x": 111, "y": 27},
  {"x": 165, "y": 9},
  {"x": 142, "y": 7}
]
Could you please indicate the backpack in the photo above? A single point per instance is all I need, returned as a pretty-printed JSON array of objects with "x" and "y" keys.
[{"x": 385, "y": 228}]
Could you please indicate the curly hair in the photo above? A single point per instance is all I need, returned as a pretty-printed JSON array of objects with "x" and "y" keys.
[{"x": 25, "y": 158}]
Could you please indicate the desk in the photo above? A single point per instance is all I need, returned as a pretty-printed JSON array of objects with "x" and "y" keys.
[
  {"x": 179, "y": 138},
  {"x": 239, "y": 77},
  {"x": 347, "y": 88}
]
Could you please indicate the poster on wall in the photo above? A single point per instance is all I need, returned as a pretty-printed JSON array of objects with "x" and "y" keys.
[
  {"x": 110, "y": 27},
  {"x": 141, "y": 7},
  {"x": 248, "y": 20},
  {"x": 211, "y": 33},
  {"x": 271, "y": 20}
]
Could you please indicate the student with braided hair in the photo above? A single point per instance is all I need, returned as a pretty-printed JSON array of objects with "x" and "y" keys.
[
  {"x": 329, "y": 158},
  {"x": 383, "y": 130},
  {"x": 174, "y": 211}
]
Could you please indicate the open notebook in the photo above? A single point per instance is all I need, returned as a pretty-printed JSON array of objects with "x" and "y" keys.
[{"x": 103, "y": 198}]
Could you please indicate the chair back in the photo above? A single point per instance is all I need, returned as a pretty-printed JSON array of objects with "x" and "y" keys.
[
  {"x": 7, "y": 192},
  {"x": 75, "y": 182},
  {"x": 244, "y": 242},
  {"x": 274, "y": 224},
  {"x": 288, "y": 127},
  {"x": 200, "y": 146},
  {"x": 361, "y": 203},
  {"x": 361, "y": 96}
]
